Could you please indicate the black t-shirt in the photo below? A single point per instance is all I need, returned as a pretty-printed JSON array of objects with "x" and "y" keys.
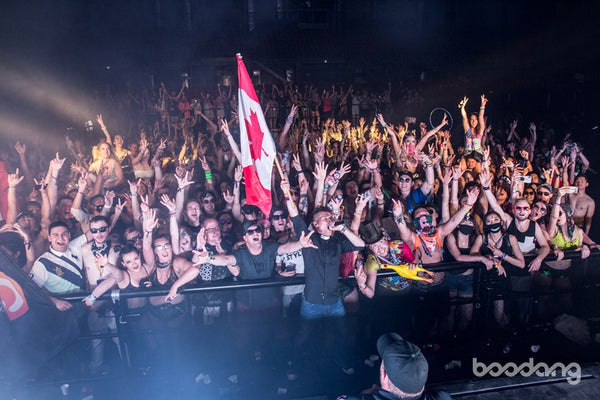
[{"x": 260, "y": 266}]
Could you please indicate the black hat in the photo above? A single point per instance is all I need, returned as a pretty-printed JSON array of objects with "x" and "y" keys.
[
  {"x": 279, "y": 209},
  {"x": 371, "y": 233},
  {"x": 250, "y": 209},
  {"x": 403, "y": 362},
  {"x": 249, "y": 224}
]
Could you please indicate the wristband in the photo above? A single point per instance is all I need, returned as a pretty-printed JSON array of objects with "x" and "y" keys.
[
  {"x": 486, "y": 188},
  {"x": 344, "y": 229},
  {"x": 134, "y": 195},
  {"x": 361, "y": 288},
  {"x": 172, "y": 213},
  {"x": 208, "y": 175},
  {"x": 92, "y": 298},
  {"x": 12, "y": 186}
]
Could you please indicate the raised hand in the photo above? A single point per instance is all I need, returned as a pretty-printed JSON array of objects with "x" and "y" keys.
[
  {"x": 56, "y": 164},
  {"x": 133, "y": 186},
  {"x": 14, "y": 179},
  {"x": 446, "y": 176},
  {"x": 463, "y": 103},
  {"x": 238, "y": 174},
  {"x": 228, "y": 197},
  {"x": 109, "y": 196},
  {"x": 305, "y": 240},
  {"x": 184, "y": 181},
  {"x": 149, "y": 221},
  {"x": 296, "y": 162},
  {"x": 484, "y": 100},
  {"x": 166, "y": 201},
  {"x": 397, "y": 208},
  {"x": 472, "y": 195},
  {"x": 320, "y": 172},
  {"x": 20, "y": 148}
]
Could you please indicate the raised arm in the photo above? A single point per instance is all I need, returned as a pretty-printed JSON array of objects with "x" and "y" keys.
[
  {"x": 463, "y": 114},
  {"x": 13, "y": 182},
  {"x": 399, "y": 218},
  {"x": 166, "y": 201},
  {"x": 286, "y": 128},
  {"x": 148, "y": 224},
  {"x": 234, "y": 147},
  {"x": 481, "y": 117},
  {"x": 486, "y": 181},
  {"x": 430, "y": 133},
  {"x": 445, "y": 229},
  {"x": 104, "y": 129}
]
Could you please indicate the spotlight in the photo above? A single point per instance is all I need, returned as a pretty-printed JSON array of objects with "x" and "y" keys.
[{"x": 89, "y": 126}]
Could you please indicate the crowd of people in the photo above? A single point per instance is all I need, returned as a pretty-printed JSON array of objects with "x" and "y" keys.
[{"x": 167, "y": 209}]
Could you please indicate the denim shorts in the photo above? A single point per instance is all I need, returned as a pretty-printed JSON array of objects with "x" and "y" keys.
[{"x": 461, "y": 284}]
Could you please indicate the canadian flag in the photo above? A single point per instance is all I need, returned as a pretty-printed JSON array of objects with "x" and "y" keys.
[{"x": 258, "y": 147}]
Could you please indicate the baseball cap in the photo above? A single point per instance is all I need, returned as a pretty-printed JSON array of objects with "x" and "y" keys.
[
  {"x": 249, "y": 224},
  {"x": 403, "y": 361}
]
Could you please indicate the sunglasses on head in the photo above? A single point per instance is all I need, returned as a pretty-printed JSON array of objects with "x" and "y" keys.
[
  {"x": 253, "y": 231},
  {"x": 101, "y": 230},
  {"x": 277, "y": 217},
  {"x": 161, "y": 247}
]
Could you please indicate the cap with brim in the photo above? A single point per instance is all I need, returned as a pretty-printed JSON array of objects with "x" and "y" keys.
[
  {"x": 250, "y": 209},
  {"x": 404, "y": 363},
  {"x": 545, "y": 186},
  {"x": 249, "y": 224}
]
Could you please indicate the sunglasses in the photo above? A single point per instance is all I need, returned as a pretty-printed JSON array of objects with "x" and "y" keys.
[
  {"x": 525, "y": 208},
  {"x": 277, "y": 217},
  {"x": 162, "y": 247},
  {"x": 253, "y": 231},
  {"x": 101, "y": 230},
  {"x": 134, "y": 239},
  {"x": 544, "y": 194},
  {"x": 542, "y": 209},
  {"x": 225, "y": 222},
  {"x": 183, "y": 234},
  {"x": 209, "y": 230},
  {"x": 207, "y": 201},
  {"x": 407, "y": 180},
  {"x": 529, "y": 193}
]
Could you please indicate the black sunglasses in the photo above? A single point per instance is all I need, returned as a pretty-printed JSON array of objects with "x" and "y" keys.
[
  {"x": 225, "y": 221},
  {"x": 253, "y": 231},
  {"x": 277, "y": 217},
  {"x": 101, "y": 230}
]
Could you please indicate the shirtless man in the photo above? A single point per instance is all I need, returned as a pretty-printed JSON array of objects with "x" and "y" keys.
[
  {"x": 583, "y": 206},
  {"x": 426, "y": 243},
  {"x": 99, "y": 261}
]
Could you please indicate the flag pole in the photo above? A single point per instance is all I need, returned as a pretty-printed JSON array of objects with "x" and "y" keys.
[{"x": 279, "y": 167}]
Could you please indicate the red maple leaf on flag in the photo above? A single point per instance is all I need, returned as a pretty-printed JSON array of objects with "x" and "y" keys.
[{"x": 255, "y": 136}]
